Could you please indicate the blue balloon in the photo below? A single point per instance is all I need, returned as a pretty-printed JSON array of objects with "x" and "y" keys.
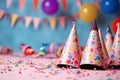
[{"x": 109, "y": 6}]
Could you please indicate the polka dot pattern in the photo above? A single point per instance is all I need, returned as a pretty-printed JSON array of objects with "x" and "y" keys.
[
  {"x": 93, "y": 51},
  {"x": 71, "y": 54},
  {"x": 115, "y": 52}
]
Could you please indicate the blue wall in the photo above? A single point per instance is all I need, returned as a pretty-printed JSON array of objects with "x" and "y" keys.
[{"x": 14, "y": 36}]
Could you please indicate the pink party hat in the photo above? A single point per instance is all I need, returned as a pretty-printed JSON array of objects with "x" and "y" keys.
[
  {"x": 115, "y": 52},
  {"x": 92, "y": 57},
  {"x": 104, "y": 50},
  {"x": 108, "y": 40},
  {"x": 71, "y": 54}
]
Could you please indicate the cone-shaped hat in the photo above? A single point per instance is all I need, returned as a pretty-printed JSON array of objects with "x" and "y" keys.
[
  {"x": 115, "y": 52},
  {"x": 71, "y": 54},
  {"x": 92, "y": 57}
]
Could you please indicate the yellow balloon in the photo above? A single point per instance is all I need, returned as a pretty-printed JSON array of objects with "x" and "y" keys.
[{"x": 88, "y": 12}]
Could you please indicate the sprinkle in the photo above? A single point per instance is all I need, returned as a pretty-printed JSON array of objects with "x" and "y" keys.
[
  {"x": 19, "y": 72},
  {"x": 109, "y": 79},
  {"x": 56, "y": 72},
  {"x": 51, "y": 73},
  {"x": 16, "y": 65},
  {"x": 49, "y": 66},
  {"x": 77, "y": 72},
  {"x": 88, "y": 74},
  {"x": 21, "y": 61},
  {"x": 1, "y": 63},
  {"x": 68, "y": 77},
  {"x": 1, "y": 72},
  {"x": 108, "y": 74},
  {"x": 9, "y": 70},
  {"x": 113, "y": 72}
]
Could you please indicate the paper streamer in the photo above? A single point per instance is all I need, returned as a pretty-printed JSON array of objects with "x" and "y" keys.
[
  {"x": 64, "y": 4},
  {"x": 2, "y": 12},
  {"x": 62, "y": 21},
  {"x": 14, "y": 19},
  {"x": 21, "y": 4},
  {"x": 78, "y": 2},
  {"x": 8, "y": 3},
  {"x": 53, "y": 22},
  {"x": 36, "y": 22},
  {"x": 27, "y": 21},
  {"x": 35, "y": 4}
]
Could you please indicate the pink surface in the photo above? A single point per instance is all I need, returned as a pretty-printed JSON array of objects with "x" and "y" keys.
[{"x": 29, "y": 68}]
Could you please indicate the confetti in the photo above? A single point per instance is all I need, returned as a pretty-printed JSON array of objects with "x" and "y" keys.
[
  {"x": 44, "y": 69},
  {"x": 109, "y": 79}
]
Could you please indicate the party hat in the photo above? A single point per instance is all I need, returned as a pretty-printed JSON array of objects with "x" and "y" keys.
[
  {"x": 92, "y": 57},
  {"x": 71, "y": 54},
  {"x": 108, "y": 40},
  {"x": 104, "y": 50},
  {"x": 115, "y": 52}
]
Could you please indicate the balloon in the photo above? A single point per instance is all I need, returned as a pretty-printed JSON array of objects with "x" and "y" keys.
[
  {"x": 114, "y": 24},
  {"x": 50, "y": 7},
  {"x": 88, "y": 12},
  {"x": 109, "y": 6}
]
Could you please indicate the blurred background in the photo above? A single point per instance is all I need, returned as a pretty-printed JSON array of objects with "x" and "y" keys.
[{"x": 31, "y": 22}]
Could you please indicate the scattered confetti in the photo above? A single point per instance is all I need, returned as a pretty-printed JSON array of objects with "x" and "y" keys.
[{"x": 44, "y": 69}]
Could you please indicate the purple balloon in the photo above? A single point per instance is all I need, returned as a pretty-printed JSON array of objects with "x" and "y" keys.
[{"x": 50, "y": 7}]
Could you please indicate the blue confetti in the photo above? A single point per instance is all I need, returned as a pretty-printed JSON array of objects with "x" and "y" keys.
[
  {"x": 98, "y": 58},
  {"x": 84, "y": 59},
  {"x": 56, "y": 72},
  {"x": 92, "y": 42},
  {"x": 112, "y": 56},
  {"x": 49, "y": 66},
  {"x": 108, "y": 79},
  {"x": 70, "y": 57}
]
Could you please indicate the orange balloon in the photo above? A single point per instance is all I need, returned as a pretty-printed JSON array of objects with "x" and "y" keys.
[
  {"x": 114, "y": 24},
  {"x": 88, "y": 12}
]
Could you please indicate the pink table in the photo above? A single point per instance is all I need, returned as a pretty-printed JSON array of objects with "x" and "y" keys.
[{"x": 29, "y": 68}]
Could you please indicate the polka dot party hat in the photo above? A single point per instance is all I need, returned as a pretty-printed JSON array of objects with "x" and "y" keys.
[
  {"x": 104, "y": 50},
  {"x": 115, "y": 52},
  {"x": 92, "y": 57},
  {"x": 108, "y": 40},
  {"x": 71, "y": 54}
]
